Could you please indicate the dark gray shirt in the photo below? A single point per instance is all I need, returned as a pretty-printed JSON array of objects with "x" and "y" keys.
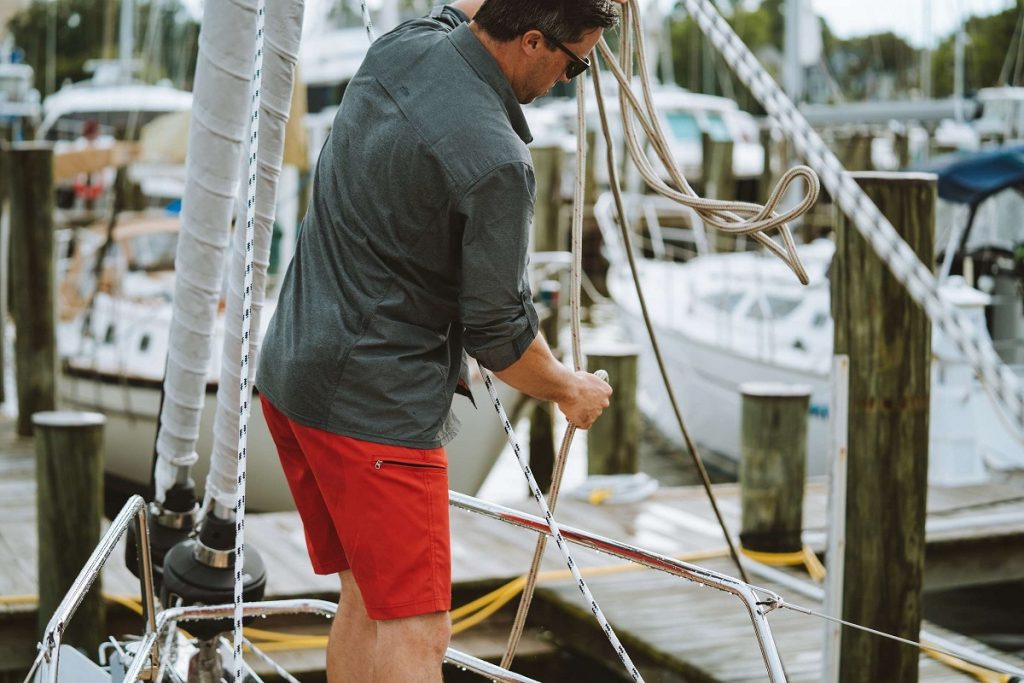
[{"x": 414, "y": 245}]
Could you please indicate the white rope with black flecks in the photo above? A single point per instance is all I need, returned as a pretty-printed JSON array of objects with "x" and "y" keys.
[
  {"x": 245, "y": 390},
  {"x": 367, "y": 22},
  {"x": 556, "y": 532}
]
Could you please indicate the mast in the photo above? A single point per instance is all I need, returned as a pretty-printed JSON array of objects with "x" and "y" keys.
[
  {"x": 958, "y": 65},
  {"x": 926, "y": 51},
  {"x": 126, "y": 38},
  {"x": 792, "y": 71}
]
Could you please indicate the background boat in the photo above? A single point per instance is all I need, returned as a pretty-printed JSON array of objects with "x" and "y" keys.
[
  {"x": 727, "y": 319},
  {"x": 112, "y": 341}
]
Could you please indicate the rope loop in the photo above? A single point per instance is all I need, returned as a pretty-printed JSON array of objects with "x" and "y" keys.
[{"x": 730, "y": 217}]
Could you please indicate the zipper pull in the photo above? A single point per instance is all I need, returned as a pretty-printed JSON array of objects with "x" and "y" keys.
[{"x": 377, "y": 464}]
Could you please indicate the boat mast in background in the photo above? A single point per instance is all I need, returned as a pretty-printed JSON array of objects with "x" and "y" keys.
[
  {"x": 926, "y": 51},
  {"x": 126, "y": 38},
  {"x": 792, "y": 70},
  {"x": 958, "y": 64}
]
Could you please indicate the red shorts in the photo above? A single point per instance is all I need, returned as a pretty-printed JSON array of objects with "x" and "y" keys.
[{"x": 381, "y": 511}]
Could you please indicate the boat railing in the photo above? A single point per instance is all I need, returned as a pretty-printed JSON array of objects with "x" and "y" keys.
[
  {"x": 45, "y": 669},
  {"x": 758, "y": 602},
  {"x": 134, "y": 511}
]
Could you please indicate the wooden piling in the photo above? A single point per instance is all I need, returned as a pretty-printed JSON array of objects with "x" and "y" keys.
[
  {"x": 716, "y": 165},
  {"x": 548, "y": 162},
  {"x": 718, "y": 180},
  {"x": 542, "y": 413},
  {"x": 853, "y": 147},
  {"x": 773, "y": 465},
  {"x": 888, "y": 339},
  {"x": 69, "y": 508},
  {"x": 901, "y": 145},
  {"x": 612, "y": 440},
  {"x": 542, "y": 443},
  {"x": 32, "y": 278},
  {"x": 767, "y": 181}
]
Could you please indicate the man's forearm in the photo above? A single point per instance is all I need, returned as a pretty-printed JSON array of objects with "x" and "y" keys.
[
  {"x": 538, "y": 373},
  {"x": 580, "y": 396}
]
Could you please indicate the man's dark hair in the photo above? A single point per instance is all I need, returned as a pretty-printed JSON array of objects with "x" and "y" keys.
[{"x": 563, "y": 20}]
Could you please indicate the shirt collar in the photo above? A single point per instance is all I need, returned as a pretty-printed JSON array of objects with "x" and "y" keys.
[{"x": 486, "y": 67}]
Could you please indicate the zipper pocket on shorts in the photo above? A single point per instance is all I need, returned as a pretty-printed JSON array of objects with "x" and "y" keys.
[{"x": 377, "y": 464}]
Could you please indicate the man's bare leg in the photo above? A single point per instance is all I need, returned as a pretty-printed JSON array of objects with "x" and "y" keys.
[
  {"x": 412, "y": 649},
  {"x": 352, "y": 643}
]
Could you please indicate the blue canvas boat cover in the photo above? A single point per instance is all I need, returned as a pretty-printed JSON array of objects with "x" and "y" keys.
[{"x": 972, "y": 177}]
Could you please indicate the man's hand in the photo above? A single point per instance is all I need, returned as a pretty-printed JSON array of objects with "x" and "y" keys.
[{"x": 586, "y": 401}]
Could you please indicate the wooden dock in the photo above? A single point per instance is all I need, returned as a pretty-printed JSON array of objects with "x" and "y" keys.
[{"x": 675, "y": 630}]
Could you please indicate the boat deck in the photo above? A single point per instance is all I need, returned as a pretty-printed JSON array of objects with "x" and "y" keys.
[{"x": 674, "y": 628}]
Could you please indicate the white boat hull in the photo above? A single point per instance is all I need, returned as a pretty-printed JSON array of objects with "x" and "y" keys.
[{"x": 706, "y": 380}]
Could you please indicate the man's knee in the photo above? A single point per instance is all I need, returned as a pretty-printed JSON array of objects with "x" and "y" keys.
[{"x": 428, "y": 632}]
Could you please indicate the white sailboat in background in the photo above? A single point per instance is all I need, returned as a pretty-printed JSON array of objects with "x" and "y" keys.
[{"x": 728, "y": 319}]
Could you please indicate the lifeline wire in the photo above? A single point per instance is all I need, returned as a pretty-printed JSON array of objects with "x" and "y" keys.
[
  {"x": 244, "y": 393},
  {"x": 924, "y": 647}
]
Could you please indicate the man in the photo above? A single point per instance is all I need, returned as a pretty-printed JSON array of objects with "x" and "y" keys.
[{"x": 413, "y": 249}]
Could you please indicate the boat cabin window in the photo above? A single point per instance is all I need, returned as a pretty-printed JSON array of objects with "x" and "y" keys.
[
  {"x": 153, "y": 251},
  {"x": 773, "y": 308},
  {"x": 717, "y": 128},
  {"x": 820, "y": 318},
  {"x": 144, "y": 343},
  {"x": 684, "y": 126},
  {"x": 723, "y": 301}
]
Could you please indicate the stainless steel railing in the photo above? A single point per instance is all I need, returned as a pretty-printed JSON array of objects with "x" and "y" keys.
[
  {"x": 758, "y": 601},
  {"x": 134, "y": 510}
]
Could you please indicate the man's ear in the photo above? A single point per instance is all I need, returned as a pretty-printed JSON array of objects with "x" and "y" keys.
[{"x": 531, "y": 41}]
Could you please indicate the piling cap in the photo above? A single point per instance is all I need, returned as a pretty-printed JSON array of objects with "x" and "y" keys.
[
  {"x": 68, "y": 418},
  {"x": 774, "y": 390}
]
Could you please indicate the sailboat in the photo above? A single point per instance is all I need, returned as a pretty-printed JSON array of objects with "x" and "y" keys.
[{"x": 739, "y": 317}]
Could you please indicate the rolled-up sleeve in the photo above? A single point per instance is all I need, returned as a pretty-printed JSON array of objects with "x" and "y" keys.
[{"x": 495, "y": 304}]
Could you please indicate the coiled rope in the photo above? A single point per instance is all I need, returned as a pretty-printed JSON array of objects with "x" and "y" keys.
[
  {"x": 901, "y": 260},
  {"x": 732, "y": 217},
  {"x": 245, "y": 391}
]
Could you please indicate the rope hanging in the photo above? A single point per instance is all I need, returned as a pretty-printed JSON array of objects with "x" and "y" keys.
[
  {"x": 245, "y": 390},
  {"x": 558, "y": 470}
]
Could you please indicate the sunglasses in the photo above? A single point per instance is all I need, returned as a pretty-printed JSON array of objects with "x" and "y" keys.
[{"x": 578, "y": 64}]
